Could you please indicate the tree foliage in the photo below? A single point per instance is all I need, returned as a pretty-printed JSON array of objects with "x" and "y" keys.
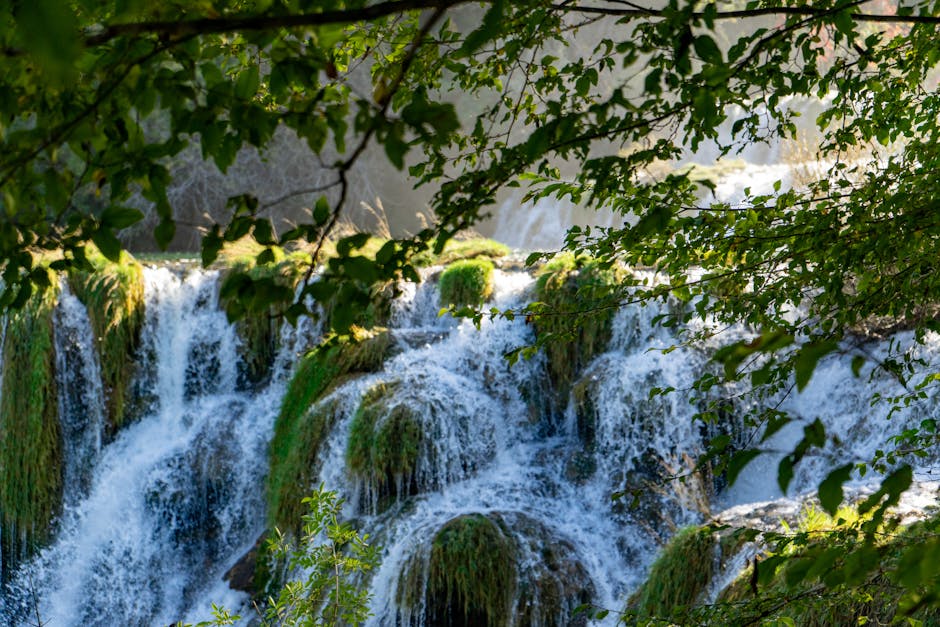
[{"x": 96, "y": 98}]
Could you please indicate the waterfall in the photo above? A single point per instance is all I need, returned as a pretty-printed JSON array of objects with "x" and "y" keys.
[
  {"x": 152, "y": 518},
  {"x": 81, "y": 411},
  {"x": 147, "y": 532}
]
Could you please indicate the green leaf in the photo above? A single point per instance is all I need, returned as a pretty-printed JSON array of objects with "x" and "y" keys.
[
  {"x": 263, "y": 232},
  {"x": 844, "y": 23},
  {"x": 830, "y": 490},
  {"x": 737, "y": 463},
  {"x": 774, "y": 423},
  {"x": 707, "y": 49},
  {"x": 211, "y": 245},
  {"x": 490, "y": 26},
  {"x": 120, "y": 217},
  {"x": 248, "y": 82},
  {"x": 49, "y": 30},
  {"x": 807, "y": 357},
  {"x": 321, "y": 211},
  {"x": 107, "y": 243},
  {"x": 857, "y": 362},
  {"x": 785, "y": 473},
  {"x": 164, "y": 233}
]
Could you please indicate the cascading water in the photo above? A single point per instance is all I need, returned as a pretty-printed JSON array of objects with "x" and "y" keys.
[
  {"x": 167, "y": 503},
  {"x": 81, "y": 410},
  {"x": 444, "y": 441}
]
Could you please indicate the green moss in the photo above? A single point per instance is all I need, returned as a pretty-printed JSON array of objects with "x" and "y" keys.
[
  {"x": 384, "y": 442},
  {"x": 679, "y": 575},
  {"x": 113, "y": 293},
  {"x": 575, "y": 321},
  {"x": 259, "y": 329},
  {"x": 471, "y": 575},
  {"x": 455, "y": 250},
  {"x": 301, "y": 426},
  {"x": 30, "y": 437},
  {"x": 467, "y": 283}
]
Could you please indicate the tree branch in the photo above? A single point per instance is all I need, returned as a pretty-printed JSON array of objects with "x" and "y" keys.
[
  {"x": 208, "y": 26},
  {"x": 636, "y": 12}
]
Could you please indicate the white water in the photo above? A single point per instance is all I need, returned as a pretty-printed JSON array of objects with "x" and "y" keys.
[
  {"x": 153, "y": 519},
  {"x": 177, "y": 493}
]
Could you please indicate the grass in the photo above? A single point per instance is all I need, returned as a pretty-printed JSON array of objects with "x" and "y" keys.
[
  {"x": 30, "y": 438},
  {"x": 384, "y": 443},
  {"x": 471, "y": 575},
  {"x": 113, "y": 294},
  {"x": 302, "y": 426},
  {"x": 467, "y": 283}
]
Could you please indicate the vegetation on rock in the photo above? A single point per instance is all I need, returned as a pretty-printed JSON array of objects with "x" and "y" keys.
[
  {"x": 30, "y": 438},
  {"x": 113, "y": 294},
  {"x": 573, "y": 315},
  {"x": 303, "y": 424},
  {"x": 681, "y": 573},
  {"x": 460, "y": 249},
  {"x": 467, "y": 283},
  {"x": 97, "y": 97},
  {"x": 471, "y": 575},
  {"x": 385, "y": 440}
]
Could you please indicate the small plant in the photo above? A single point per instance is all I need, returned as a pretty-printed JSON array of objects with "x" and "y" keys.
[
  {"x": 333, "y": 558},
  {"x": 467, "y": 283}
]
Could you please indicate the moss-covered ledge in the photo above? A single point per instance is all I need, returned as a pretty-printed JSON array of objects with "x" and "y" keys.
[
  {"x": 679, "y": 576},
  {"x": 385, "y": 441},
  {"x": 574, "y": 320},
  {"x": 113, "y": 294},
  {"x": 303, "y": 424},
  {"x": 30, "y": 433}
]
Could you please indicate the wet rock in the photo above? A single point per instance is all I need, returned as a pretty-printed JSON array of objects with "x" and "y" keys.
[{"x": 243, "y": 575}]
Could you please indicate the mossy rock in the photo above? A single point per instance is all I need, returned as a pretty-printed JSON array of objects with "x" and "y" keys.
[
  {"x": 494, "y": 569},
  {"x": 680, "y": 574},
  {"x": 471, "y": 575},
  {"x": 302, "y": 426},
  {"x": 578, "y": 297},
  {"x": 385, "y": 441},
  {"x": 552, "y": 581},
  {"x": 467, "y": 283},
  {"x": 258, "y": 327},
  {"x": 113, "y": 294},
  {"x": 31, "y": 454}
]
